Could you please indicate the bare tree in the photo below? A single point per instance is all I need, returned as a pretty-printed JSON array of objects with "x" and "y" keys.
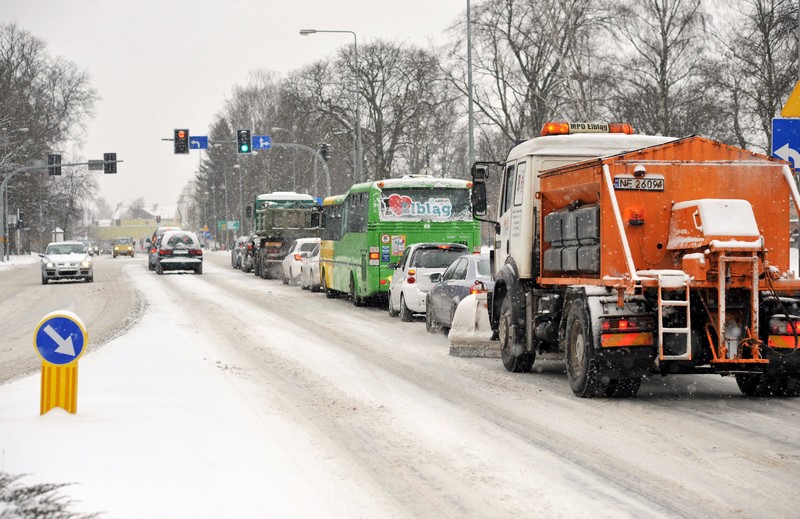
[
  {"x": 760, "y": 48},
  {"x": 51, "y": 97},
  {"x": 659, "y": 65}
]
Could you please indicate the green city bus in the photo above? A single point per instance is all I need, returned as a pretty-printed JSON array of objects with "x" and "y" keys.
[{"x": 370, "y": 226}]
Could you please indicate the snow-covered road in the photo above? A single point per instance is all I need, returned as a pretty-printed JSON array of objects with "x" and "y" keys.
[{"x": 234, "y": 396}]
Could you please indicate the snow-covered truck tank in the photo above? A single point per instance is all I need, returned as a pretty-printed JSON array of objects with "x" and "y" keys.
[
  {"x": 279, "y": 218},
  {"x": 658, "y": 256}
]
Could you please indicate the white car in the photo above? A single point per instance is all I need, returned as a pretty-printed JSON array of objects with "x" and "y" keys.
[
  {"x": 66, "y": 260},
  {"x": 309, "y": 270},
  {"x": 291, "y": 262},
  {"x": 411, "y": 281}
]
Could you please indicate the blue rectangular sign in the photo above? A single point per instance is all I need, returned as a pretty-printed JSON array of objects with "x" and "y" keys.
[
  {"x": 786, "y": 140},
  {"x": 198, "y": 142},
  {"x": 262, "y": 142}
]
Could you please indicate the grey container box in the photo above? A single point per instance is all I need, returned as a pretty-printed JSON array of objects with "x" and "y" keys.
[
  {"x": 552, "y": 259},
  {"x": 589, "y": 258},
  {"x": 588, "y": 224},
  {"x": 569, "y": 228},
  {"x": 569, "y": 258},
  {"x": 552, "y": 227}
]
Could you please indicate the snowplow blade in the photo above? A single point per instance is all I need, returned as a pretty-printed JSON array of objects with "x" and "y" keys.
[{"x": 470, "y": 334}]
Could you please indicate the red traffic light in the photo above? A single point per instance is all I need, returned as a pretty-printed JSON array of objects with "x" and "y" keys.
[{"x": 181, "y": 134}]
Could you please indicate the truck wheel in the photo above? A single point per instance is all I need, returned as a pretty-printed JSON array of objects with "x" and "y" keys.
[
  {"x": 512, "y": 343},
  {"x": 582, "y": 373},
  {"x": 624, "y": 387},
  {"x": 759, "y": 384}
]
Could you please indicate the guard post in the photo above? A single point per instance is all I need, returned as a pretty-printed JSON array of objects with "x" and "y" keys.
[{"x": 60, "y": 339}]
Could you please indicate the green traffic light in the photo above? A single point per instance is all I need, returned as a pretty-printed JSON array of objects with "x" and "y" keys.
[{"x": 244, "y": 148}]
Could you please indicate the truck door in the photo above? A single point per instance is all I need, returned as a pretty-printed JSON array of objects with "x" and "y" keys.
[{"x": 504, "y": 213}]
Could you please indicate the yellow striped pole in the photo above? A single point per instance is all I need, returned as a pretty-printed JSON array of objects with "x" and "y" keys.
[{"x": 59, "y": 387}]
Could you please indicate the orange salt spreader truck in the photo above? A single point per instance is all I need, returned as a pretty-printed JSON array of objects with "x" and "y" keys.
[{"x": 633, "y": 255}]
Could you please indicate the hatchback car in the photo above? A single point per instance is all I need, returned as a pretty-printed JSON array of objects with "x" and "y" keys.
[
  {"x": 237, "y": 252},
  {"x": 309, "y": 270},
  {"x": 92, "y": 247},
  {"x": 291, "y": 262},
  {"x": 469, "y": 274},
  {"x": 408, "y": 289},
  {"x": 179, "y": 250},
  {"x": 66, "y": 260},
  {"x": 122, "y": 247},
  {"x": 152, "y": 251}
]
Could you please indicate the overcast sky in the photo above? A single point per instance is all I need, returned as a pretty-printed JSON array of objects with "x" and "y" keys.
[{"x": 159, "y": 65}]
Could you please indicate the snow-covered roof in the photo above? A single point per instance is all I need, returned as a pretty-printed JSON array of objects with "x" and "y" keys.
[
  {"x": 419, "y": 181},
  {"x": 284, "y": 195},
  {"x": 586, "y": 144}
]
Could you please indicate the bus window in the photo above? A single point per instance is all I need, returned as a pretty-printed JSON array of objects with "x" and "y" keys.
[{"x": 418, "y": 204}]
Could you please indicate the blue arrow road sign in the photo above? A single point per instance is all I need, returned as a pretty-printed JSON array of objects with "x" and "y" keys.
[
  {"x": 262, "y": 142},
  {"x": 60, "y": 338},
  {"x": 198, "y": 142},
  {"x": 786, "y": 140}
]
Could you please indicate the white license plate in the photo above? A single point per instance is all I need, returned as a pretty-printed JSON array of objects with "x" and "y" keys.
[
  {"x": 180, "y": 252},
  {"x": 646, "y": 183}
]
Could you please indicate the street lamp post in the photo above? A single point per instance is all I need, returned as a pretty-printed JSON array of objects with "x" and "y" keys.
[
  {"x": 294, "y": 166},
  {"x": 359, "y": 166},
  {"x": 6, "y": 134}
]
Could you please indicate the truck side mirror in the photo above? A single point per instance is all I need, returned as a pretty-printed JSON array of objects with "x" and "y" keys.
[
  {"x": 480, "y": 171},
  {"x": 478, "y": 198}
]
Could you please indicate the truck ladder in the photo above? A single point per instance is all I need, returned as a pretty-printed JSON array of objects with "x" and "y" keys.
[
  {"x": 673, "y": 282},
  {"x": 725, "y": 352}
]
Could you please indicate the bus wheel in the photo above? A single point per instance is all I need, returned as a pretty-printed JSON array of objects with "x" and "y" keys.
[
  {"x": 584, "y": 377},
  {"x": 329, "y": 292},
  {"x": 512, "y": 345},
  {"x": 357, "y": 301}
]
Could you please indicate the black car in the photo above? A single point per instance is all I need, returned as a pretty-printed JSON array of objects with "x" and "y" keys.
[{"x": 467, "y": 274}]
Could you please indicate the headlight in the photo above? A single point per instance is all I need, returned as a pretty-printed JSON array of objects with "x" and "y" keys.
[
  {"x": 86, "y": 264},
  {"x": 50, "y": 265}
]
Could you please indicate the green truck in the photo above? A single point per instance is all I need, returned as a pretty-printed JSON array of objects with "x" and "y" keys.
[{"x": 278, "y": 219}]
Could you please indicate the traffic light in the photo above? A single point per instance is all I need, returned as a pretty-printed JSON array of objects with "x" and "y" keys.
[
  {"x": 181, "y": 141},
  {"x": 158, "y": 218},
  {"x": 109, "y": 162},
  {"x": 20, "y": 219},
  {"x": 54, "y": 164},
  {"x": 324, "y": 150},
  {"x": 243, "y": 143}
]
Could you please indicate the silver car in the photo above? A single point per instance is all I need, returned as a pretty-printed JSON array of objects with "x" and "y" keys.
[{"x": 66, "y": 260}]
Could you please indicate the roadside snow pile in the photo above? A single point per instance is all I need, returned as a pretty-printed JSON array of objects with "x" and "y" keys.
[{"x": 471, "y": 334}]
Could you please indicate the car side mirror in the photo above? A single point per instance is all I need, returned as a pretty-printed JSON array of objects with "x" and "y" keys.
[
  {"x": 436, "y": 277},
  {"x": 391, "y": 266}
]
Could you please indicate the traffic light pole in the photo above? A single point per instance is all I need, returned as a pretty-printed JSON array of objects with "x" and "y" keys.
[{"x": 4, "y": 250}]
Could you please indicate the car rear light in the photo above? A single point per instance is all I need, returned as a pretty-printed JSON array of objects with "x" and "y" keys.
[
  {"x": 477, "y": 288},
  {"x": 153, "y": 250},
  {"x": 164, "y": 252},
  {"x": 195, "y": 252},
  {"x": 411, "y": 280},
  {"x": 298, "y": 257}
]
